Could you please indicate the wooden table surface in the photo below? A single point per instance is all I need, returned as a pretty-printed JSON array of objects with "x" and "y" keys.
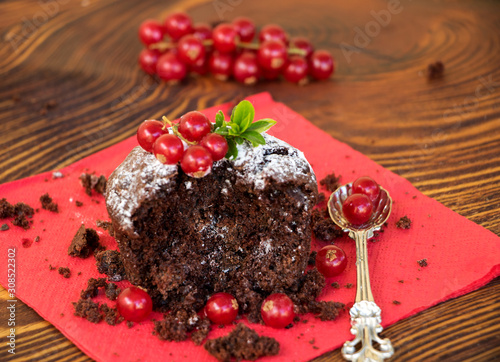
[{"x": 442, "y": 135}]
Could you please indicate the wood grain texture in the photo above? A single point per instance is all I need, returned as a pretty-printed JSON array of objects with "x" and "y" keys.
[{"x": 442, "y": 135}]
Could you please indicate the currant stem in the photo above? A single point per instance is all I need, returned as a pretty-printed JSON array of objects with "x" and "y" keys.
[
  {"x": 162, "y": 46},
  {"x": 174, "y": 127}
]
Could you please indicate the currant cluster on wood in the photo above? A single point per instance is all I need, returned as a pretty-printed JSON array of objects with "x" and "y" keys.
[{"x": 176, "y": 48}]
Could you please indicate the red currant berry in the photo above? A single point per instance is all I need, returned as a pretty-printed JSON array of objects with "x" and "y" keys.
[
  {"x": 168, "y": 149},
  {"x": 177, "y": 25},
  {"x": 366, "y": 185},
  {"x": 148, "y": 132},
  {"x": 170, "y": 68},
  {"x": 148, "y": 59},
  {"x": 272, "y": 55},
  {"x": 194, "y": 125},
  {"x": 245, "y": 28},
  {"x": 196, "y": 161},
  {"x": 221, "y": 65},
  {"x": 150, "y": 32},
  {"x": 270, "y": 74},
  {"x": 222, "y": 308},
  {"x": 200, "y": 67},
  {"x": 134, "y": 304},
  {"x": 357, "y": 209},
  {"x": 296, "y": 69},
  {"x": 273, "y": 32},
  {"x": 302, "y": 44},
  {"x": 190, "y": 49},
  {"x": 277, "y": 310},
  {"x": 331, "y": 261},
  {"x": 225, "y": 38},
  {"x": 202, "y": 31},
  {"x": 216, "y": 145},
  {"x": 321, "y": 66},
  {"x": 246, "y": 70}
]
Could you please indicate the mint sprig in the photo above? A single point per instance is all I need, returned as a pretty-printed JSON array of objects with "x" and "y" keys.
[{"x": 241, "y": 127}]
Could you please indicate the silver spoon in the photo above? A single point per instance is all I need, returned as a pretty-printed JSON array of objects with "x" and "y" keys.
[{"x": 365, "y": 314}]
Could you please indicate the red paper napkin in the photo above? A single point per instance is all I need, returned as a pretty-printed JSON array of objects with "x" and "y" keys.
[{"x": 461, "y": 255}]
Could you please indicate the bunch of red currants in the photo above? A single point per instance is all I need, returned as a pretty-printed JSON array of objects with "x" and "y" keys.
[
  {"x": 194, "y": 131},
  {"x": 226, "y": 51},
  {"x": 358, "y": 207}
]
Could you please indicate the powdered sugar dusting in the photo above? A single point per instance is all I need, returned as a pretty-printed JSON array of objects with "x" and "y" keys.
[
  {"x": 141, "y": 175},
  {"x": 259, "y": 164},
  {"x": 127, "y": 187}
]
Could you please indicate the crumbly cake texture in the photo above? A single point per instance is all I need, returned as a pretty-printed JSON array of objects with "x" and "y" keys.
[
  {"x": 84, "y": 242},
  {"x": 242, "y": 343},
  {"x": 243, "y": 229}
]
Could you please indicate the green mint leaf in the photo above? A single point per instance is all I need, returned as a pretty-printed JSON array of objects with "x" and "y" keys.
[
  {"x": 254, "y": 137},
  {"x": 223, "y": 131},
  {"x": 219, "y": 119},
  {"x": 232, "y": 151},
  {"x": 261, "y": 125},
  {"x": 243, "y": 114},
  {"x": 239, "y": 140},
  {"x": 235, "y": 128}
]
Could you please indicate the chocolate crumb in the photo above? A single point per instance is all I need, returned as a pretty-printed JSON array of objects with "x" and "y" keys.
[
  {"x": 323, "y": 227},
  {"x": 6, "y": 209},
  {"x": 312, "y": 258},
  {"x": 48, "y": 204},
  {"x": 330, "y": 182},
  {"x": 422, "y": 262},
  {"x": 79, "y": 273},
  {"x": 396, "y": 302},
  {"x": 180, "y": 323},
  {"x": 312, "y": 341},
  {"x": 93, "y": 286},
  {"x": 111, "y": 315},
  {"x": 289, "y": 326},
  {"x": 78, "y": 203},
  {"x": 62, "y": 314},
  {"x": 435, "y": 70},
  {"x": 401, "y": 281},
  {"x": 242, "y": 343},
  {"x": 403, "y": 223},
  {"x": 321, "y": 198},
  {"x": 88, "y": 309},
  {"x": 110, "y": 263},
  {"x": 21, "y": 221},
  {"x": 4, "y": 227},
  {"x": 106, "y": 225},
  {"x": 65, "y": 272},
  {"x": 130, "y": 324},
  {"x": 315, "y": 347},
  {"x": 84, "y": 242},
  {"x": 37, "y": 239},
  {"x": 92, "y": 182},
  {"x": 51, "y": 267},
  {"x": 335, "y": 285},
  {"x": 349, "y": 285},
  {"x": 112, "y": 291}
]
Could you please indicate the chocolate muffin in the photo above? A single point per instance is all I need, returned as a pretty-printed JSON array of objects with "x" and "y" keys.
[{"x": 243, "y": 229}]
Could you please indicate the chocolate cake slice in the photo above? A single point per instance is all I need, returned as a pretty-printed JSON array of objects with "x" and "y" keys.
[{"x": 243, "y": 229}]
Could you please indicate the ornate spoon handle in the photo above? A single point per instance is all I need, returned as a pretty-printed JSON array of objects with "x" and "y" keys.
[{"x": 365, "y": 314}]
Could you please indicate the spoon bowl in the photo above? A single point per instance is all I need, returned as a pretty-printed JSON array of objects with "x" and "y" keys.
[{"x": 381, "y": 210}]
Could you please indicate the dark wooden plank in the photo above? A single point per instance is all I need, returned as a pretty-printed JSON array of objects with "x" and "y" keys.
[{"x": 443, "y": 135}]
